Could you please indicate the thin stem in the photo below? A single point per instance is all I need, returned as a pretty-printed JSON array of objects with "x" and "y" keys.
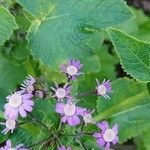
[
  {"x": 40, "y": 142},
  {"x": 57, "y": 139},
  {"x": 82, "y": 144},
  {"x": 81, "y": 133},
  {"x": 85, "y": 94}
]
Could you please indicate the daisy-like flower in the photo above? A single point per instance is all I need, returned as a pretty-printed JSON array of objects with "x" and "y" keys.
[
  {"x": 10, "y": 126},
  {"x": 18, "y": 103},
  {"x": 107, "y": 135},
  {"x": 64, "y": 148},
  {"x": 87, "y": 117},
  {"x": 72, "y": 68},
  {"x": 8, "y": 146},
  {"x": 28, "y": 84},
  {"x": 70, "y": 113},
  {"x": 62, "y": 92},
  {"x": 104, "y": 88}
]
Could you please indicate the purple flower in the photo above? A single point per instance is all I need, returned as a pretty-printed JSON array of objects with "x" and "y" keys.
[
  {"x": 8, "y": 146},
  {"x": 10, "y": 125},
  {"x": 104, "y": 88},
  {"x": 28, "y": 85},
  {"x": 64, "y": 148},
  {"x": 72, "y": 68},
  {"x": 18, "y": 103},
  {"x": 69, "y": 113},
  {"x": 87, "y": 117},
  {"x": 62, "y": 92},
  {"x": 107, "y": 135}
]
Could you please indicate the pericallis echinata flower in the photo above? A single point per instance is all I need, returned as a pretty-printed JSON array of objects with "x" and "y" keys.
[
  {"x": 72, "y": 68},
  {"x": 64, "y": 148},
  {"x": 10, "y": 125},
  {"x": 18, "y": 104},
  {"x": 70, "y": 113},
  {"x": 8, "y": 146},
  {"x": 87, "y": 117},
  {"x": 107, "y": 135},
  {"x": 28, "y": 85},
  {"x": 104, "y": 88},
  {"x": 61, "y": 92}
]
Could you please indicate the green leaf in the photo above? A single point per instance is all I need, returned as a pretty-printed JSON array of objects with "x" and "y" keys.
[
  {"x": 129, "y": 106},
  {"x": 137, "y": 27},
  {"x": 11, "y": 75},
  {"x": 28, "y": 134},
  {"x": 7, "y": 25},
  {"x": 45, "y": 111},
  {"x": 142, "y": 141},
  {"x": 62, "y": 28},
  {"x": 134, "y": 55}
]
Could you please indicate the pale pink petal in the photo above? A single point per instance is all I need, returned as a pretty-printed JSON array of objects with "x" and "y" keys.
[
  {"x": 59, "y": 108},
  {"x": 101, "y": 142},
  {"x": 22, "y": 112},
  {"x": 97, "y": 135},
  {"x": 73, "y": 120}
]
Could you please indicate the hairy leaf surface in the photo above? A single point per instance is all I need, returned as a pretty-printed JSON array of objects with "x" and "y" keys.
[
  {"x": 62, "y": 28},
  {"x": 134, "y": 55}
]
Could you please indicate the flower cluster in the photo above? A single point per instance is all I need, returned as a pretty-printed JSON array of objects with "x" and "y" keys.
[
  {"x": 71, "y": 114},
  {"x": 20, "y": 103}
]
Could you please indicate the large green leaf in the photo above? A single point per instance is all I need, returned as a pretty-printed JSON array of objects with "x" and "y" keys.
[
  {"x": 7, "y": 24},
  {"x": 129, "y": 106},
  {"x": 57, "y": 32},
  {"x": 11, "y": 75},
  {"x": 134, "y": 55}
]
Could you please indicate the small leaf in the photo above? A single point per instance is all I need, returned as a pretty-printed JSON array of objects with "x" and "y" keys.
[
  {"x": 7, "y": 25},
  {"x": 134, "y": 55}
]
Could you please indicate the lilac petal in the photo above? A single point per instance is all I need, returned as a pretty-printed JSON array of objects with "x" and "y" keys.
[
  {"x": 107, "y": 146},
  {"x": 11, "y": 113},
  {"x": 69, "y": 148},
  {"x": 6, "y": 106},
  {"x": 19, "y": 146},
  {"x": 27, "y": 107},
  {"x": 97, "y": 135},
  {"x": 8, "y": 143},
  {"x": 27, "y": 96},
  {"x": 73, "y": 77},
  {"x": 73, "y": 120},
  {"x": 22, "y": 112},
  {"x": 80, "y": 111},
  {"x": 100, "y": 142},
  {"x": 103, "y": 125},
  {"x": 59, "y": 108},
  {"x": 29, "y": 102},
  {"x": 62, "y": 148},
  {"x": 63, "y": 67},
  {"x": 115, "y": 141},
  {"x": 115, "y": 128},
  {"x": 64, "y": 119}
]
